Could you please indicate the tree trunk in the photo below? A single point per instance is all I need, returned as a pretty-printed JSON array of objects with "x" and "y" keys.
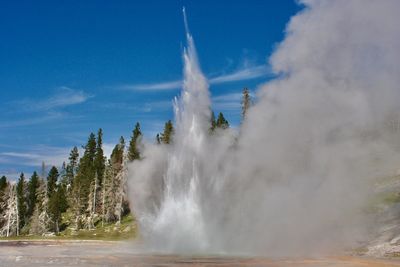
[
  {"x": 94, "y": 194},
  {"x": 16, "y": 207},
  {"x": 8, "y": 224},
  {"x": 104, "y": 200}
]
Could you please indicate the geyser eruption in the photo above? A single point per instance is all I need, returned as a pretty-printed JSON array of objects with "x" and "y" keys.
[
  {"x": 297, "y": 178},
  {"x": 178, "y": 210}
]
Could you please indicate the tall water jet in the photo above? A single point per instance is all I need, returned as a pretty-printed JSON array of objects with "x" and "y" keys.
[
  {"x": 180, "y": 207},
  {"x": 178, "y": 218}
]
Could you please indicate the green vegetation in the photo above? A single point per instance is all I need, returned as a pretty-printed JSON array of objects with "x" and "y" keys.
[
  {"x": 390, "y": 198},
  {"x": 384, "y": 199},
  {"x": 221, "y": 122},
  {"x": 388, "y": 195},
  {"x": 110, "y": 232},
  {"x": 33, "y": 187},
  {"x": 166, "y": 136},
  {"x": 133, "y": 150},
  {"x": 21, "y": 207}
]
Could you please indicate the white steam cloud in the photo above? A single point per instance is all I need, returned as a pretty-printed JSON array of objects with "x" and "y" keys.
[{"x": 296, "y": 179}]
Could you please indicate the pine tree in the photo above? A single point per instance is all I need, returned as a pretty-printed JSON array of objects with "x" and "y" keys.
[
  {"x": 246, "y": 102},
  {"x": 63, "y": 174},
  {"x": 166, "y": 136},
  {"x": 95, "y": 185},
  {"x": 133, "y": 151},
  {"x": 33, "y": 186},
  {"x": 213, "y": 122},
  {"x": 117, "y": 155},
  {"x": 83, "y": 180},
  {"x": 73, "y": 159},
  {"x": 57, "y": 205},
  {"x": 3, "y": 199},
  {"x": 21, "y": 202},
  {"x": 52, "y": 181},
  {"x": 72, "y": 165},
  {"x": 3, "y": 183},
  {"x": 99, "y": 158},
  {"x": 222, "y": 122},
  {"x": 3, "y": 186},
  {"x": 64, "y": 183}
]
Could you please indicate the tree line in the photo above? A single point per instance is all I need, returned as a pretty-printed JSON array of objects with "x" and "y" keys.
[{"x": 85, "y": 192}]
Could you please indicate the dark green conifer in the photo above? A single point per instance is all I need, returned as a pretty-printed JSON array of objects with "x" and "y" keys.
[
  {"x": 33, "y": 186},
  {"x": 57, "y": 205},
  {"x": 3, "y": 183},
  {"x": 117, "y": 155},
  {"x": 21, "y": 198},
  {"x": 72, "y": 166},
  {"x": 52, "y": 181},
  {"x": 222, "y": 122},
  {"x": 166, "y": 136},
  {"x": 133, "y": 151},
  {"x": 86, "y": 173},
  {"x": 3, "y": 186},
  {"x": 100, "y": 162}
]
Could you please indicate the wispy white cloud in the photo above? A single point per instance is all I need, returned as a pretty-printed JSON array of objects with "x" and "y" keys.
[
  {"x": 49, "y": 116},
  {"x": 156, "y": 105},
  {"x": 227, "y": 97},
  {"x": 19, "y": 155},
  {"x": 37, "y": 111},
  {"x": 36, "y": 155},
  {"x": 145, "y": 107},
  {"x": 243, "y": 74},
  {"x": 63, "y": 97},
  {"x": 153, "y": 86}
]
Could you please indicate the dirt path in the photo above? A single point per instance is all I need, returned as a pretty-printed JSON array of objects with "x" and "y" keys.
[{"x": 98, "y": 253}]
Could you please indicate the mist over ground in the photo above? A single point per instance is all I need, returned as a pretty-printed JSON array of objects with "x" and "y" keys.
[{"x": 297, "y": 176}]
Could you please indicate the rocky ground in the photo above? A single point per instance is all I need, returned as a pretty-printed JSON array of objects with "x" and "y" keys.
[{"x": 96, "y": 253}]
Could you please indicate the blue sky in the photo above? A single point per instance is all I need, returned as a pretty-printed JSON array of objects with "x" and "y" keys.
[{"x": 68, "y": 68}]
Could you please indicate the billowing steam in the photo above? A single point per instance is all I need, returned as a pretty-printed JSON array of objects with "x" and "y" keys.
[{"x": 296, "y": 179}]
